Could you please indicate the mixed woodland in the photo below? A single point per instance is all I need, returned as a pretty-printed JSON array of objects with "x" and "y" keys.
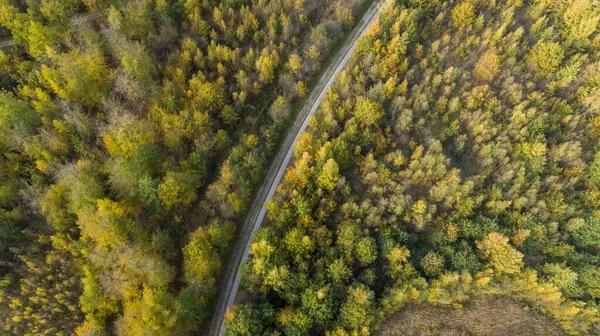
[
  {"x": 132, "y": 137},
  {"x": 456, "y": 155}
]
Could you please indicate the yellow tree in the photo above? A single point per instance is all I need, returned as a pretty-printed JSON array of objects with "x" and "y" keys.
[
  {"x": 266, "y": 64},
  {"x": 487, "y": 67},
  {"x": 546, "y": 57},
  {"x": 503, "y": 257},
  {"x": 80, "y": 76},
  {"x": 463, "y": 14},
  {"x": 581, "y": 20}
]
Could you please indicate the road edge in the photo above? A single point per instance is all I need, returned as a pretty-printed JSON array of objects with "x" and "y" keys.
[{"x": 278, "y": 167}]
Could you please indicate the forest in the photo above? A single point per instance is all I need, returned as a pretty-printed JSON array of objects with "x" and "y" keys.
[
  {"x": 133, "y": 135},
  {"x": 456, "y": 155}
]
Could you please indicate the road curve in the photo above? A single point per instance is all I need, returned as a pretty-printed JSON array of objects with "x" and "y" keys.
[
  {"x": 75, "y": 21},
  {"x": 257, "y": 211}
]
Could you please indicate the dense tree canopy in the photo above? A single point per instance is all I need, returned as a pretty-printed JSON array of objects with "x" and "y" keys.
[
  {"x": 132, "y": 137},
  {"x": 456, "y": 154}
]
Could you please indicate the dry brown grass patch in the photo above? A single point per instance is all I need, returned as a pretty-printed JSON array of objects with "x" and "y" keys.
[{"x": 481, "y": 316}]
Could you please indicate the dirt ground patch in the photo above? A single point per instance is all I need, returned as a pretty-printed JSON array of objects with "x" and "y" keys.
[{"x": 481, "y": 316}]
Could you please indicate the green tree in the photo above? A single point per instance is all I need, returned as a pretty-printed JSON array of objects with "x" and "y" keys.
[
  {"x": 202, "y": 263},
  {"x": 545, "y": 57},
  {"x": 338, "y": 271},
  {"x": 148, "y": 189},
  {"x": 366, "y": 250},
  {"x": 368, "y": 112},
  {"x": 38, "y": 38},
  {"x": 145, "y": 160},
  {"x": 150, "y": 315},
  {"x": 318, "y": 304},
  {"x": 17, "y": 121},
  {"x": 465, "y": 258},
  {"x": 53, "y": 207},
  {"x": 80, "y": 76},
  {"x": 594, "y": 169},
  {"x": 432, "y": 263},
  {"x": 588, "y": 236},
  {"x": 564, "y": 278},
  {"x": 135, "y": 19},
  {"x": 329, "y": 175},
  {"x": 205, "y": 95},
  {"x": 177, "y": 188},
  {"x": 58, "y": 11},
  {"x": 588, "y": 278},
  {"x": 280, "y": 109},
  {"x": 138, "y": 63},
  {"x": 356, "y": 311},
  {"x": 250, "y": 320}
]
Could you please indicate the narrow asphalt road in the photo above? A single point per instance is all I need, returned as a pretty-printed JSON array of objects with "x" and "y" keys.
[
  {"x": 257, "y": 211},
  {"x": 75, "y": 21}
]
